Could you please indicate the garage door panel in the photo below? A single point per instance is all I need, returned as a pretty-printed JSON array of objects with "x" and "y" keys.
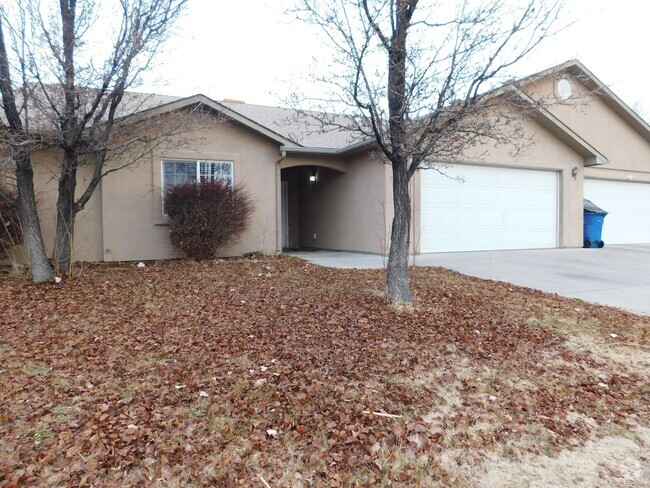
[
  {"x": 491, "y": 208},
  {"x": 628, "y": 207}
]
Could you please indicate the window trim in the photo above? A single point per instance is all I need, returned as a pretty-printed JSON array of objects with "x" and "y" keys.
[{"x": 197, "y": 163}]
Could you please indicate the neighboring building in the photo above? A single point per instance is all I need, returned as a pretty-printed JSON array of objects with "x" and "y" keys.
[{"x": 324, "y": 190}]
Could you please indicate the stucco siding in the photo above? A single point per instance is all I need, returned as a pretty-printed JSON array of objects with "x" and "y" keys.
[
  {"x": 123, "y": 220},
  {"x": 346, "y": 210},
  {"x": 134, "y": 225},
  {"x": 588, "y": 115},
  {"x": 87, "y": 244}
]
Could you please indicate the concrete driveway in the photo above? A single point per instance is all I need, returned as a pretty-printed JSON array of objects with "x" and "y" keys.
[{"x": 615, "y": 275}]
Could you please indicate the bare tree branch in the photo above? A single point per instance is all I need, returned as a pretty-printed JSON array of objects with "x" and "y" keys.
[
  {"x": 415, "y": 76},
  {"x": 74, "y": 101}
]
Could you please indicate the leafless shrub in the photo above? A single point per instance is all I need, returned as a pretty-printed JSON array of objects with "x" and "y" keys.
[{"x": 207, "y": 216}]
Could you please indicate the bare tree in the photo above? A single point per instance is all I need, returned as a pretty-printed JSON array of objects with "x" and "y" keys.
[
  {"x": 415, "y": 76},
  {"x": 16, "y": 141},
  {"x": 69, "y": 94}
]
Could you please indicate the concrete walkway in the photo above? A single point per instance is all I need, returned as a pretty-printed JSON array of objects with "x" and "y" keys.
[{"x": 615, "y": 275}]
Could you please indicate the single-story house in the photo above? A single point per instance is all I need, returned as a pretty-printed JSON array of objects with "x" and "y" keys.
[{"x": 325, "y": 190}]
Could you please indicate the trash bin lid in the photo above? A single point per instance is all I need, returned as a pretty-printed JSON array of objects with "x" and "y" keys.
[{"x": 591, "y": 207}]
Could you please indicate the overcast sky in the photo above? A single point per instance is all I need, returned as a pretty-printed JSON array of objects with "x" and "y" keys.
[{"x": 251, "y": 50}]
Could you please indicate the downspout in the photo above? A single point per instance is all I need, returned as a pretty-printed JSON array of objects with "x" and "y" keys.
[{"x": 278, "y": 200}]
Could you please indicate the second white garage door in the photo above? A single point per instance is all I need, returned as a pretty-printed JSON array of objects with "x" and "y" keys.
[
  {"x": 628, "y": 204},
  {"x": 492, "y": 208}
]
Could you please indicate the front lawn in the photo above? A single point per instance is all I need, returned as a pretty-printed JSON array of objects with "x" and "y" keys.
[{"x": 275, "y": 372}]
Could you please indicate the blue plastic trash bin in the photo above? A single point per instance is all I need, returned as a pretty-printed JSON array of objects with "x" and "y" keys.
[{"x": 594, "y": 217}]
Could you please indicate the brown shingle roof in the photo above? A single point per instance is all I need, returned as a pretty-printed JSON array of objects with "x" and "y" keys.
[
  {"x": 41, "y": 115},
  {"x": 303, "y": 127}
]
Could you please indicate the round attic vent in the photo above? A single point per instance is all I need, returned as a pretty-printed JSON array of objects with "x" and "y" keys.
[{"x": 564, "y": 89}]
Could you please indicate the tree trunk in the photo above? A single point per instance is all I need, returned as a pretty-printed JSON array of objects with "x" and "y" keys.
[
  {"x": 397, "y": 279},
  {"x": 31, "y": 228},
  {"x": 65, "y": 216}
]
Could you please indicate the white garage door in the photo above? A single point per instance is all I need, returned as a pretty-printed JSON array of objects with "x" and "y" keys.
[
  {"x": 628, "y": 204},
  {"x": 492, "y": 208}
]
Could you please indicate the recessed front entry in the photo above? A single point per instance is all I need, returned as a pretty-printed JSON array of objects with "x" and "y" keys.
[
  {"x": 488, "y": 208},
  {"x": 307, "y": 194}
]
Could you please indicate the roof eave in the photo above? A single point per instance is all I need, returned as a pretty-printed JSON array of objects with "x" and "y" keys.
[
  {"x": 311, "y": 151},
  {"x": 330, "y": 151},
  {"x": 610, "y": 98},
  {"x": 591, "y": 155}
]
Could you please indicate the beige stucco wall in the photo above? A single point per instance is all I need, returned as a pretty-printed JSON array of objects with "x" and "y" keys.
[
  {"x": 124, "y": 221},
  {"x": 336, "y": 163},
  {"x": 345, "y": 210},
  {"x": 596, "y": 122},
  {"x": 88, "y": 228},
  {"x": 134, "y": 227}
]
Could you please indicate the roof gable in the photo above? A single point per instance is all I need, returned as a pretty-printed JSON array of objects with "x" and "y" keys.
[
  {"x": 563, "y": 132},
  {"x": 598, "y": 88}
]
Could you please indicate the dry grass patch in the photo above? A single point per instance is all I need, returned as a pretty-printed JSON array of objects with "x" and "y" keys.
[
  {"x": 612, "y": 461},
  {"x": 397, "y": 466},
  {"x": 603, "y": 340}
]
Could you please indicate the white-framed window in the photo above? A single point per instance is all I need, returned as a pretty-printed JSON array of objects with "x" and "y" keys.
[
  {"x": 181, "y": 171},
  {"x": 175, "y": 171}
]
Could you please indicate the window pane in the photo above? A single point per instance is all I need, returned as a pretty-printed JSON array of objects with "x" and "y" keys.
[
  {"x": 212, "y": 170},
  {"x": 226, "y": 171},
  {"x": 206, "y": 171},
  {"x": 175, "y": 172}
]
